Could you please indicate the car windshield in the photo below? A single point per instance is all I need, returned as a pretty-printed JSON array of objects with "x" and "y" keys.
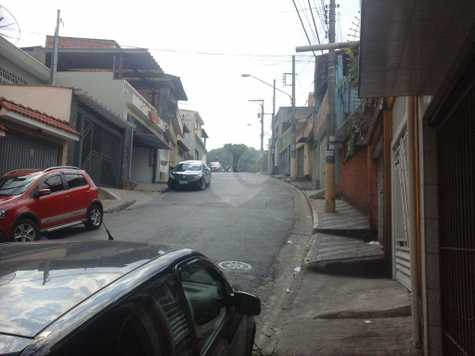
[
  {"x": 182, "y": 167},
  {"x": 15, "y": 185}
]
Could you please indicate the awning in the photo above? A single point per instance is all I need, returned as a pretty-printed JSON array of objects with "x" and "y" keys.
[
  {"x": 101, "y": 109},
  {"x": 34, "y": 119},
  {"x": 149, "y": 140},
  {"x": 407, "y": 46},
  {"x": 182, "y": 145}
]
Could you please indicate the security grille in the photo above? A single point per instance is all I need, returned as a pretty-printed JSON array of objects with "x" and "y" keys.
[{"x": 456, "y": 150}]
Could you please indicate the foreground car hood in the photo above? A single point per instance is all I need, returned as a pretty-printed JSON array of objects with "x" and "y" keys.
[{"x": 41, "y": 281}]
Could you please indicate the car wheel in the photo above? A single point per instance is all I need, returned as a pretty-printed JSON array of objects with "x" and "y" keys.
[
  {"x": 94, "y": 217},
  {"x": 202, "y": 184},
  {"x": 25, "y": 230}
]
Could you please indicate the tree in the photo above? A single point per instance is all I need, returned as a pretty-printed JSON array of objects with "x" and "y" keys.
[
  {"x": 222, "y": 156},
  {"x": 236, "y": 151},
  {"x": 237, "y": 157}
]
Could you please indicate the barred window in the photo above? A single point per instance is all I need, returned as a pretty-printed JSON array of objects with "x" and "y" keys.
[{"x": 7, "y": 77}]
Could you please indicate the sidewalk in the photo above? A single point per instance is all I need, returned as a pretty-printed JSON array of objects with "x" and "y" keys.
[
  {"x": 115, "y": 200},
  {"x": 339, "y": 303}
]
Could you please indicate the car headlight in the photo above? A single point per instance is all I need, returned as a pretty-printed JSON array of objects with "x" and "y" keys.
[{"x": 3, "y": 214}]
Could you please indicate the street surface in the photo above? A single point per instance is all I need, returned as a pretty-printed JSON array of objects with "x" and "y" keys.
[{"x": 240, "y": 217}]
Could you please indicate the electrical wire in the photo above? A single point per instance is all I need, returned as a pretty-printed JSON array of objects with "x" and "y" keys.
[
  {"x": 303, "y": 26},
  {"x": 314, "y": 23}
]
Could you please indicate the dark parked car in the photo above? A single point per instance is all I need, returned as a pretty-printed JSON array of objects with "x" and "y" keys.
[
  {"x": 190, "y": 174},
  {"x": 46, "y": 200},
  {"x": 121, "y": 299}
]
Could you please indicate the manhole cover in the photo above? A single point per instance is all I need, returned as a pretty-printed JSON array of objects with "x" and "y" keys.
[{"x": 235, "y": 266}]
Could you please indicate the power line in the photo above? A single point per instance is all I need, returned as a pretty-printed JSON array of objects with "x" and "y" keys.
[
  {"x": 313, "y": 19},
  {"x": 303, "y": 26}
]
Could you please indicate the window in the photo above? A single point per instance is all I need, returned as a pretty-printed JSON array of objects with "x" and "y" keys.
[
  {"x": 167, "y": 293},
  {"x": 183, "y": 167},
  {"x": 54, "y": 183},
  {"x": 123, "y": 331},
  {"x": 205, "y": 293},
  {"x": 75, "y": 180},
  {"x": 15, "y": 185}
]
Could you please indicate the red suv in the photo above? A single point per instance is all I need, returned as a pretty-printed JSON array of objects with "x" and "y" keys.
[{"x": 34, "y": 201}]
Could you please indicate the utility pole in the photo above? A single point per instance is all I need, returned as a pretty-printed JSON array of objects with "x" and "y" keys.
[
  {"x": 54, "y": 63},
  {"x": 293, "y": 161},
  {"x": 272, "y": 148},
  {"x": 330, "y": 184},
  {"x": 262, "y": 132}
]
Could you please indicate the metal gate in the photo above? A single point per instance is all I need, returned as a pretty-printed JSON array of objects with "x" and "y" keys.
[
  {"x": 300, "y": 161},
  {"x": 402, "y": 262},
  {"x": 19, "y": 151},
  {"x": 101, "y": 154},
  {"x": 456, "y": 177}
]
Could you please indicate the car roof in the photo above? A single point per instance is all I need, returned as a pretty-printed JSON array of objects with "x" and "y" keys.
[
  {"x": 191, "y": 162},
  {"x": 41, "y": 282},
  {"x": 24, "y": 172}
]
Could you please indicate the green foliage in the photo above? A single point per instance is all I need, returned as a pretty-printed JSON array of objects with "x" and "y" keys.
[
  {"x": 354, "y": 70},
  {"x": 236, "y": 157}
]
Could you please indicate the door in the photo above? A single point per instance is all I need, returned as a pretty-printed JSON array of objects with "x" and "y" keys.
[
  {"x": 456, "y": 194},
  {"x": 50, "y": 208},
  {"x": 402, "y": 262},
  {"x": 20, "y": 151},
  {"x": 300, "y": 162},
  {"x": 101, "y": 153},
  {"x": 217, "y": 326},
  {"x": 77, "y": 197}
]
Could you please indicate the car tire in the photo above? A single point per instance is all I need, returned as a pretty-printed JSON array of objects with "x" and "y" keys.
[
  {"x": 25, "y": 230},
  {"x": 202, "y": 184},
  {"x": 95, "y": 216}
]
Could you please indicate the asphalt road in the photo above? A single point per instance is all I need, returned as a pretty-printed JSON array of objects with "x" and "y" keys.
[{"x": 240, "y": 217}]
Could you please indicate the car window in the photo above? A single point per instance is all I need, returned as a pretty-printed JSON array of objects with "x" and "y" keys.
[
  {"x": 182, "y": 167},
  {"x": 54, "y": 183},
  {"x": 15, "y": 185},
  {"x": 75, "y": 180},
  {"x": 167, "y": 294},
  {"x": 205, "y": 293},
  {"x": 121, "y": 331}
]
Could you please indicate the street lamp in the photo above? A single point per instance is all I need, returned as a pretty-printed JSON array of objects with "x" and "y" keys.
[{"x": 261, "y": 101}]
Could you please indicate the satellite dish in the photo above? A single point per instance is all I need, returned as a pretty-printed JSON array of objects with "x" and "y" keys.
[{"x": 9, "y": 27}]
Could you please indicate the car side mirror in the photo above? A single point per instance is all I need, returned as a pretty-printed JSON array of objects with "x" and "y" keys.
[
  {"x": 42, "y": 192},
  {"x": 246, "y": 304}
]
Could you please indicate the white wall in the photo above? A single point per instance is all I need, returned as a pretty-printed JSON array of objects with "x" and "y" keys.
[
  {"x": 100, "y": 85},
  {"x": 52, "y": 101},
  {"x": 141, "y": 170}
]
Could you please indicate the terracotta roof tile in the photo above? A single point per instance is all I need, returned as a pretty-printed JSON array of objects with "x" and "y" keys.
[{"x": 37, "y": 115}]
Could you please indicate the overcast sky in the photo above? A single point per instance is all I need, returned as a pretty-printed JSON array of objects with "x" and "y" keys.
[{"x": 208, "y": 43}]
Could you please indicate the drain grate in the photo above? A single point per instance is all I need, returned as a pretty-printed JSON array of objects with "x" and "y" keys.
[{"x": 234, "y": 266}]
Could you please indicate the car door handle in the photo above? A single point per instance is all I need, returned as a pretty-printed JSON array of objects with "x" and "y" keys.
[{"x": 68, "y": 196}]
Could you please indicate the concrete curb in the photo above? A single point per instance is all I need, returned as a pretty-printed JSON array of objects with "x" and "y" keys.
[
  {"x": 286, "y": 282},
  {"x": 120, "y": 206}
]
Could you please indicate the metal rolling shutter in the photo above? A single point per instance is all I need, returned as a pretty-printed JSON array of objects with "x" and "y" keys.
[{"x": 19, "y": 151}]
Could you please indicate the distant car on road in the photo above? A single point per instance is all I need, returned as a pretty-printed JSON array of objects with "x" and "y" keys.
[
  {"x": 121, "y": 299},
  {"x": 190, "y": 174},
  {"x": 216, "y": 167},
  {"x": 34, "y": 201}
]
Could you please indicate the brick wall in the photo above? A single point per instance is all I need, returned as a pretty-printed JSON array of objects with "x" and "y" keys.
[
  {"x": 358, "y": 184},
  {"x": 76, "y": 42}
]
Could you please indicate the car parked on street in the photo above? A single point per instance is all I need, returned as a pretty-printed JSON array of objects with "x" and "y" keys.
[
  {"x": 216, "y": 167},
  {"x": 194, "y": 174},
  {"x": 116, "y": 298},
  {"x": 35, "y": 201}
]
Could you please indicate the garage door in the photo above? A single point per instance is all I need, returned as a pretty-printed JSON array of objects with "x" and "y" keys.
[{"x": 19, "y": 151}]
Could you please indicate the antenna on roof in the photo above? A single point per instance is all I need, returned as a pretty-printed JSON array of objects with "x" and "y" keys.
[
  {"x": 109, "y": 235},
  {"x": 9, "y": 27}
]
